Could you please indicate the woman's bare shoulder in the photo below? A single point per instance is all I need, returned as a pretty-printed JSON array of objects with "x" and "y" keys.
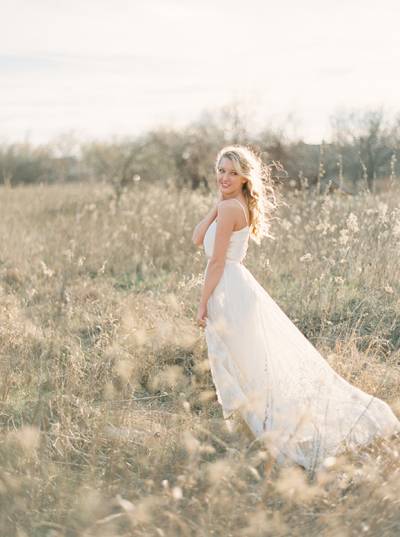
[
  {"x": 232, "y": 211},
  {"x": 226, "y": 207},
  {"x": 226, "y": 203}
]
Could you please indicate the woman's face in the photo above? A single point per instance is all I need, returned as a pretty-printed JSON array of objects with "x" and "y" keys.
[{"x": 228, "y": 180}]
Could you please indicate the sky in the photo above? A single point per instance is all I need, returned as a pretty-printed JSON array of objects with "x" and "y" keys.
[{"x": 104, "y": 68}]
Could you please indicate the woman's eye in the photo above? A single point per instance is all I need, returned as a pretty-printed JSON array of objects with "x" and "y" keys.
[{"x": 221, "y": 170}]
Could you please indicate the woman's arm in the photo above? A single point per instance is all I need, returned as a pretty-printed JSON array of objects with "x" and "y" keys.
[
  {"x": 226, "y": 221},
  {"x": 201, "y": 228}
]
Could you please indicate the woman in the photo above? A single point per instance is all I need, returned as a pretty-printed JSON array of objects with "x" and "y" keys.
[{"x": 262, "y": 366}]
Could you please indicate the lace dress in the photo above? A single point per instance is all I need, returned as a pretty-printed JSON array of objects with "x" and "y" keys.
[{"x": 265, "y": 368}]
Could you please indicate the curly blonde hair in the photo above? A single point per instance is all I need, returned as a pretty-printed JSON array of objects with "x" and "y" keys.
[{"x": 258, "y": 189}]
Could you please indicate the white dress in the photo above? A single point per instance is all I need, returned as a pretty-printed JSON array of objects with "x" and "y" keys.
[{"x": 265, "y": 368}]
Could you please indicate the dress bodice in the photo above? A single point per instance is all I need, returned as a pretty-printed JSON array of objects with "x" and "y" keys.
[{"x": 238, "y": 243}]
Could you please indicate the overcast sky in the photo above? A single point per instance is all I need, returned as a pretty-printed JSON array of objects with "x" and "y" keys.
[{"x": 123, "y": 66}]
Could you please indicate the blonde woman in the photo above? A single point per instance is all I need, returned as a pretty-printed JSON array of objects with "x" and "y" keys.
[{"x": 264, "y": 369}]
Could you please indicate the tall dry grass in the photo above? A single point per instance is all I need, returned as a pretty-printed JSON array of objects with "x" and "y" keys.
[{"x": 109, "y": 419}]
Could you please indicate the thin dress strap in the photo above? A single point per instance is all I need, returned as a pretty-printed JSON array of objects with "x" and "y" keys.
[{"x": 244, "y": 210}]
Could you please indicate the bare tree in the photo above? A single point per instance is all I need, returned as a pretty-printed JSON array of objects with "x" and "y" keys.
[
  {"x": 65, "y": 149},
  {"x": 368, "y": 133},
  {"x": 112, "y": 162}
]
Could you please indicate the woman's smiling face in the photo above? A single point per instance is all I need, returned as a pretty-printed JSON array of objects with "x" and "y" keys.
[{"x": 229, "y": 181}]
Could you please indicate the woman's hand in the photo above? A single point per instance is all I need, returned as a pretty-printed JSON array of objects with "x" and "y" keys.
[{"x": 202, "y": 315}]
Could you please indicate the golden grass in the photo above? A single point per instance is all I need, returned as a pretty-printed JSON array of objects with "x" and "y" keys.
[{"x": 110, "y": 424}]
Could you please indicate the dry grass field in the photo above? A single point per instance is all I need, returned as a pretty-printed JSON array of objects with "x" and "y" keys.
[{"x": 109, "y": 420}]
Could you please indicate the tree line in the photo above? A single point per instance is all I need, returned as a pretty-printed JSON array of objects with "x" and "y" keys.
[{"x": 362, "y": 153}]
